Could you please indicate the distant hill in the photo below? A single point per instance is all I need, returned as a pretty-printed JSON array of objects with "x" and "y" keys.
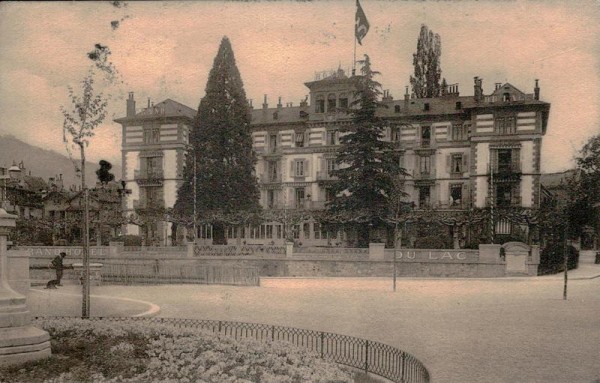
[{"x": 46, "y": 163}]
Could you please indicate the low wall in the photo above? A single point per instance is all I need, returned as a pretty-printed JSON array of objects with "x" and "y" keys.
[{"x": 278, "y": 261}]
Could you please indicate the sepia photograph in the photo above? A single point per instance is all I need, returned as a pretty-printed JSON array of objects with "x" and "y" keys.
[{"x": 328, "y": 191}]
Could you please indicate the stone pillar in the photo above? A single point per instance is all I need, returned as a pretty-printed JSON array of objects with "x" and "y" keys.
[
  {"x": 376, "y": 251},
  {"x": 19, "y": 341},
  {"x": 289, "y": 249},
  {"x": 190, "y": 249}
]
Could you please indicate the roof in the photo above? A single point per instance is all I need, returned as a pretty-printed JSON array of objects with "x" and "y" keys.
[
  {"x": 164, "y": 109},
  {"x": 555, "y": 180},
  {"x": 288, "y": 114}
]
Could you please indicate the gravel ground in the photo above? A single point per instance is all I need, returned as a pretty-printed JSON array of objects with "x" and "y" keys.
[{"x": 485, "y": 330}]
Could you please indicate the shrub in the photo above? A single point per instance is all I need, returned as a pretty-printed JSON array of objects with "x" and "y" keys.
[{"x": 90, "y": 351}]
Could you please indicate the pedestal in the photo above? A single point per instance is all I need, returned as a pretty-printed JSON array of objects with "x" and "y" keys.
[{"x": 19, "y": 341}]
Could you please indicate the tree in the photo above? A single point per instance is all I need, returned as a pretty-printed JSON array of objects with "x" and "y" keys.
[
  {"x": 583, "y": 209},
  {"x": 222, "y": 148},
  {"x": 103, "y": 173},
  {"x": 368, "y": 166},
  {"x": 427, "y": 64}
]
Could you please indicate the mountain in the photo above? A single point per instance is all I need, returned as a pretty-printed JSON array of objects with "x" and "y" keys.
[{"x": 46, "y": 163}]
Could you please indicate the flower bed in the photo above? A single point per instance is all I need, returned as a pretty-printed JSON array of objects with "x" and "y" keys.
[{"x": 86, "y": 351}]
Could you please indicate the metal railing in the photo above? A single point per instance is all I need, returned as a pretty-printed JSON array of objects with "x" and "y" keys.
[
  {"x": 369, "y": 356},
  {"x": 236, "y": 251}
]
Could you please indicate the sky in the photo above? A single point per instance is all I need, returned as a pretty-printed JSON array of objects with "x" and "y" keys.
[{"x": 166, "y": 50}]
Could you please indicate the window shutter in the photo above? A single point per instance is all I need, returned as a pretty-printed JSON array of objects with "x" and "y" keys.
[
  {"x": 465, "y": 160},
  {"x": 292, "y": 168},
  {"x": 418, "y": 134},
  {"x": 449, "y": 163},
  {"x": 324, "y": 138},
  {"x": 307, "y": 168},
  {"x": 450, "y": 129}
]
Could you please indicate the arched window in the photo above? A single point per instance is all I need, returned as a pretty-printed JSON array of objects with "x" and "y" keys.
[{"x": 343, "y": 101}]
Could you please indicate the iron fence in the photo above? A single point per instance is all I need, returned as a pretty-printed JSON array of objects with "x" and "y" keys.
[
  {"x": 369, "y": 356},
  {"x": 236, "y": 251},
  {"x": 153, "y": 272}
]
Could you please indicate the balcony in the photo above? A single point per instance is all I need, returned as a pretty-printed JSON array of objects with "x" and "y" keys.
[
  {"x": 423, "y": 175},
  {"x": 515, "y": 201},
  {"x": 150, "y": 177},
  {"x": 507, "y": 172},
  {"x": 270, "y": 178}
]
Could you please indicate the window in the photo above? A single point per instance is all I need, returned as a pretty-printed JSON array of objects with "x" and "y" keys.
[
  {"x": 458, "y": 105},
  {"x": 425, "y": 165},
  {"x": 331, "y": 165},
  {"x": 506, "y": 97},
  {"x": 424, "y": 196},
  {"x": 153, "y": 167},
  {"x": 331, "y": 103},
  {"x": 299, "y": 198},
  {"x": 458, "y": 132},
  {"x": 503, "y": 195},
  {"x": 396, "y": 108},
  {"x": 332, "y": 137},
  {"x": 270, "y": 231},
  {"x": 270, "y": 198},
  {"x": 272, "y": 171},
  {"x": 343, "y": 101},
  {"x": 395, "y": 134},
  {"x": 306, "y": 230},
  {"x": 320, "y": 104},
  {"x": 296, "y": 231},
  {"x": 152, "y": 135},
  {"x": 456, "y": 163},
  {"x": 504, "y": 160},
  {"x": 299, "y": 140},
  {"x": 426, "y": 107},
  {"x": 317, "y": 230},
  {"x": 272, "y": 143},
  {"x": 456, "y": 194},
  {"x": 299, "y": 168},
  {"x": 505, "y": 125},
  {"x": 279, "y": 232},
  {"x": 425, "y": 136}
]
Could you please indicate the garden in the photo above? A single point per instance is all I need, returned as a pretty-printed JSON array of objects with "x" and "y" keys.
[{"x": 94, "y": 351}]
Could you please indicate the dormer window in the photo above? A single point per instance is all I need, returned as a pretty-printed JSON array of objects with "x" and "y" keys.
[
  {"x": 458, "y": 105},
  {"x": 506, "y": 97},
  {"x": 299, "y": 140},
  {"x": 426, "y": 107},
  {"x": 396, "y": 108},
  {"x": 275, "y": 115}
]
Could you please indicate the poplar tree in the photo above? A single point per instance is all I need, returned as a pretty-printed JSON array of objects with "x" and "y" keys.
[
  {"x": 221, "y": 140},
  {"x": 427, "y": 64},
  {"x": 368, "y": 166}
]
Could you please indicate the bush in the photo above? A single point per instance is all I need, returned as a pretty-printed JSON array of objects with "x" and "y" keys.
[
  {"x": 90, "y": 351},
  {"x": 552, "y": 258},
  {"x": 128, "y": 240}
]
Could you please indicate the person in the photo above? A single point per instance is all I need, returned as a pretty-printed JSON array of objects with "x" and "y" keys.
[{"x": 58, "y": 265}]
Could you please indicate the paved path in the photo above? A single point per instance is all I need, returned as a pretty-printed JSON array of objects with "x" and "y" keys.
[{"x": 463, "y": 330}]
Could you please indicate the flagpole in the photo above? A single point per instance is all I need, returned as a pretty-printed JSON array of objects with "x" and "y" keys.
[{"x": 354, "y": 57}]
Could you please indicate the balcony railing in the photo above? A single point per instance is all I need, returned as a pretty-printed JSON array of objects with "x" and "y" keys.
[
  {"x": 149, "y": 174},
  {"x": 270, "y": 178}
]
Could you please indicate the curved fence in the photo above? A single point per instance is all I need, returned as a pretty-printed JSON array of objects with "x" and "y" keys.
[{"x": 366, "y": 355}]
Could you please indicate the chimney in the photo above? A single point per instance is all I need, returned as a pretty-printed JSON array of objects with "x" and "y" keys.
[
  {"x": 304, "y": 103},
  {"x": 265, "y": 105},
  {"x": 130, "y": 105},
  {"x": 406, "y": 96},
  {"x": 279, "y": 103},
  {"x": 387, "y": 96},
  {"x": 148, "y": 102},
  {"x": 497, "y": 86},
  {"x": 536, "y": 90},
  {"x": 250, "y": 104},
  {"x": 478, "y": 90}
]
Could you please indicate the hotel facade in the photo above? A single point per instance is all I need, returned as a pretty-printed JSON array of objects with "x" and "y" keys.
[{"x": 462, "y": 153}]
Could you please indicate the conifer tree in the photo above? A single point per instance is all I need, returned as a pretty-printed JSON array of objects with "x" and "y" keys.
[
  {"x": 427, "y": 64},
  {"x": 368, "y": 165},
  {"x": 222, "y": 147}
]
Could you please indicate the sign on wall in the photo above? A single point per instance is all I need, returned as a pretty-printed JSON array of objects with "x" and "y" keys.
[{"x": 73, "y": 251}]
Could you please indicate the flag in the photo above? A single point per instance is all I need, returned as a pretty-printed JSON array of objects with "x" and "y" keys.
[{"x": 362, "y": 25}]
